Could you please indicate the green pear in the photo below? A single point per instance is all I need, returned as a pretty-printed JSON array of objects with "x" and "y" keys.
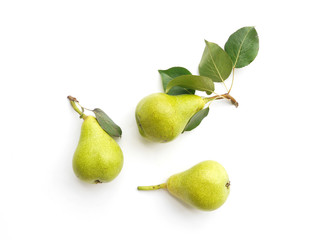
[
  {"x": 98, "y": 158},
  {"x": 161, "y": 117},
  {"x": 205, "y": 186}
]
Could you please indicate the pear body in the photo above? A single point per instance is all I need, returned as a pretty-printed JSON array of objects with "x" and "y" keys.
[
  {"x": 98, "y": 158},
  {"x": 205, "y": 186},
  {"x": 161, "y": 117}
]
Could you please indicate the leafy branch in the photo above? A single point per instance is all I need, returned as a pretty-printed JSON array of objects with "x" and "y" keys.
[{"x": 215, "y": 66}]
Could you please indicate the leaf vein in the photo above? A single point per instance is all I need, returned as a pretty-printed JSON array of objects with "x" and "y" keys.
[
  {"x": 215, "y": 65},
  {"x": 238, "y": 54}
]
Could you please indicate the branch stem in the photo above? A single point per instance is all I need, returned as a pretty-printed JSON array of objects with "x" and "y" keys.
[
  {"x": 232, "y": 80},
  {"x": 225, "y": 85},
  {"x": 224, "y": 96}
]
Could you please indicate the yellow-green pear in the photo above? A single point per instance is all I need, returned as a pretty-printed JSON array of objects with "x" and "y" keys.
[
  {"x": 205, "y": 186},
  {"x": 98, "y": 158},
  {"x": 161, "y": 117}
]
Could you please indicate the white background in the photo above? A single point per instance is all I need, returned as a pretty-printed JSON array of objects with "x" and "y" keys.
[{"x": 107, "y": 53}]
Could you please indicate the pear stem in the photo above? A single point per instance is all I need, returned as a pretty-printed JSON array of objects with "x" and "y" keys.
[
  {"x": 223, "y": 96},
  {"x": 154, "y": 187},
  {"x": 73, "y": 101}
]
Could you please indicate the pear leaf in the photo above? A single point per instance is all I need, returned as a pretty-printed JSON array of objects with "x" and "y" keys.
[
  {"x": 194, "y": 82},
  {"x": 107, "y": 124},
  {"x": 215, "y": 63},
  {"x": 196, "y": 119},
  {"x": 243, "y": 46},
  {"x": 171, "y": 73}
]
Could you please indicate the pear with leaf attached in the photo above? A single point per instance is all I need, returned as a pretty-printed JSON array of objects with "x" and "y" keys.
[
  {"x": 205, "y": 186},
  {"x": 98, "y": 157},
  {"x": 161, "y": 117}
]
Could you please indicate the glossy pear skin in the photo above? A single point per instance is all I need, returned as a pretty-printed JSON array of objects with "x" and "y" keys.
[
  {"x": 161, "y": 117},
  {"x": 98, "y": 158},
  {"x": 205, "y": 186}
]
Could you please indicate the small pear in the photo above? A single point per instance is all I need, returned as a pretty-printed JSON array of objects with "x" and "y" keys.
[
  {"x": 161, "y": 117},
  {"x": 98, "y": 158},
  {"x": 205, "y": 186}
]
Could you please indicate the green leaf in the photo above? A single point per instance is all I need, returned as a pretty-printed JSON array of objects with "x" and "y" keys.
[
  {"x": 194, "y": 82},
  {"x": 196, "y": 119},
  {"x": 107, "y": 124},
  {"x": 171, "y": 73},
  {"x": 243, "y": 46},
  {"x": 215, "y": 63}
]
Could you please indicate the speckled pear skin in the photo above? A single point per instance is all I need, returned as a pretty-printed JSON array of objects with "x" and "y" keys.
[
  {"x": 205, "y": 186},
  {"x": 161, "y": 117},
  {"x": 98, "y": 158}
]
